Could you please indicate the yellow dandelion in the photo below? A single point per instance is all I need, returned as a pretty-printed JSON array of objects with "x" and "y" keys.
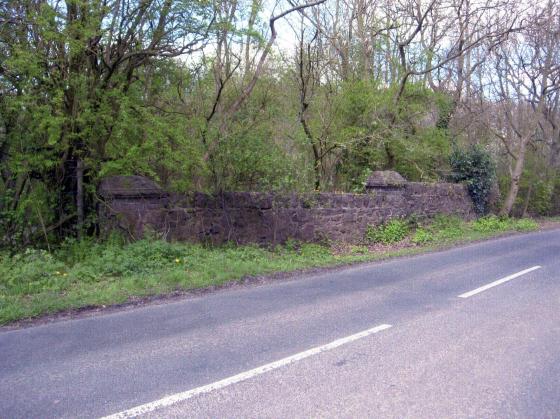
[
  {"x": 177, "y": 260},
  {"x": 57, "y": 273}
]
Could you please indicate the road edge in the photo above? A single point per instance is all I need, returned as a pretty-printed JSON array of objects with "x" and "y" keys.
[{"x": 251, "y": 281}]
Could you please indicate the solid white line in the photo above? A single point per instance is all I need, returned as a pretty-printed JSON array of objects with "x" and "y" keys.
[
  {"x": 179, "y": 397},
  {"x": 498, "y": 282}
]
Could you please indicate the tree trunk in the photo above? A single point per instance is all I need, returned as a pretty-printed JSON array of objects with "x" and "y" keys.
[
  {"x": 391, "y": 158},
  {"x": 316, "y": 153},
  {"x": 516, "y": 176},
  {"x": 80, "y": 195}
]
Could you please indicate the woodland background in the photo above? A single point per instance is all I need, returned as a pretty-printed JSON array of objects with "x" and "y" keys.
[{"x": 256, "y": 96}]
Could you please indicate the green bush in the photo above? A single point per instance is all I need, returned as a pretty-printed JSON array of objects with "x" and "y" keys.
[
  {"x": 475, "y": 167},
  {"x": 542, "y": 197},
  {"x": 447, "y": 227},
  {"x": 496, "y": 224},
  {"x": 144, "y": 256},
  {"x": 526, "y": 224},
  {"x": 490, "y": 223},
  {"x": 422, "y": 236},
  {"x": 392, "y": 232}
]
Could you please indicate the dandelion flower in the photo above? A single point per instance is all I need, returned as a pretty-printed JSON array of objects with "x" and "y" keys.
[{"x": 177, "y": 260}]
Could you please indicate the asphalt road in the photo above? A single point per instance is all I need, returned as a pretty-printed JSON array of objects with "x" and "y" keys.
[{"x": 495, "y": 354}]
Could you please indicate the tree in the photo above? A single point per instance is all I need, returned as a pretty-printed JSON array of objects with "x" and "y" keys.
[
  {"x": 66, "y": 74},
  {"x": 527, "y": 73}
]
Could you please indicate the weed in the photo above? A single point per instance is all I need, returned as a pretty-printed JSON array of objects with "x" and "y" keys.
[
  {"x": 490, "y": 223},
  {"x": 358, "y": 250},
  {"x": 422, "y": 236},
  {"x": 496, "y": 224},
  {"x": 526, "y": 224},
  {"x": 82, "y": 273},
  {"x": 392, "y": 232}
]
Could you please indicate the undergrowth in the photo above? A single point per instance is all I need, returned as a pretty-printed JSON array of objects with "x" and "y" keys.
[
  {"x": 391, "y": 232},
  {"x": 91, "y": 273}
]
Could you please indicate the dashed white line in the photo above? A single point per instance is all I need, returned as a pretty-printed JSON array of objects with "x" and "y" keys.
[
  {"x": 498, "y": 282},
  {"x": 179, "y": 397}
]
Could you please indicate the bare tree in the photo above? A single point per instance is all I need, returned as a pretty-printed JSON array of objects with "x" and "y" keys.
[{"x": 526, "y": 76}]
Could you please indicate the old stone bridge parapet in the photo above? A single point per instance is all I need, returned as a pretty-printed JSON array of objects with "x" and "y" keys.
[{"x": 138, "y": 205}]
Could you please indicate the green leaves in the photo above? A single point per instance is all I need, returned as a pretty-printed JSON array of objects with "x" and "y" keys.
[
  {"x": 496, "y": 224},
  {"x": 82, "y": 82},
  {"x": 392, "y": 232},
  {"x": 474, "y": 166}
]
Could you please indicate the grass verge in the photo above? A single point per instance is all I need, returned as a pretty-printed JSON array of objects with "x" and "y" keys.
[{"x": 87, "y": 273}]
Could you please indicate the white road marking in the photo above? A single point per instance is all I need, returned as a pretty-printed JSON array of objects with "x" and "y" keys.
[
  {"x": 179, "y": 397},
  {"x": 498, "y": 282}
]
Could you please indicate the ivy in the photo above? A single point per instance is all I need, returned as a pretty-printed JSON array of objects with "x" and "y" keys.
[{"x": 474, "y": 166}]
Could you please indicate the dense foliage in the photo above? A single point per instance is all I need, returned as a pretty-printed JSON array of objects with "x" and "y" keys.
[
  {"x": 213, "y": 96},
  {"x": 475, "y": 167}
]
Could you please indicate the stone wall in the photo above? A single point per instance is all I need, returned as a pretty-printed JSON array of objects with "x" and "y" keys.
[{"x": 137, "y": 205}]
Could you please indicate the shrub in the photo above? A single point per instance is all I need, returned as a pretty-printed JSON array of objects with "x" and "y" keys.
[
  {"x": 475, "y": 167},
  {"x": 422, "y": 236},
  {"x": 526, "y": 224},
  {"x": 490, "y": 223},
  {"x": 72, "y": 250},
  {"x": 391, "y": 232},
  {"x": 143, "y": 256},
  {"x": 447, "y": 227},
  {"x": 292, "y": 245},
  {"x": 493, "y": 223},
  {"x": 542, "y": 197}
]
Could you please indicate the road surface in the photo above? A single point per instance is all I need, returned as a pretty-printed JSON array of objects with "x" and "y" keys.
[{"x": 468, "y": 332}]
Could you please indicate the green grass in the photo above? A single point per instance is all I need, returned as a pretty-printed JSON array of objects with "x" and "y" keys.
[{"x": 87, "y": 273}]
